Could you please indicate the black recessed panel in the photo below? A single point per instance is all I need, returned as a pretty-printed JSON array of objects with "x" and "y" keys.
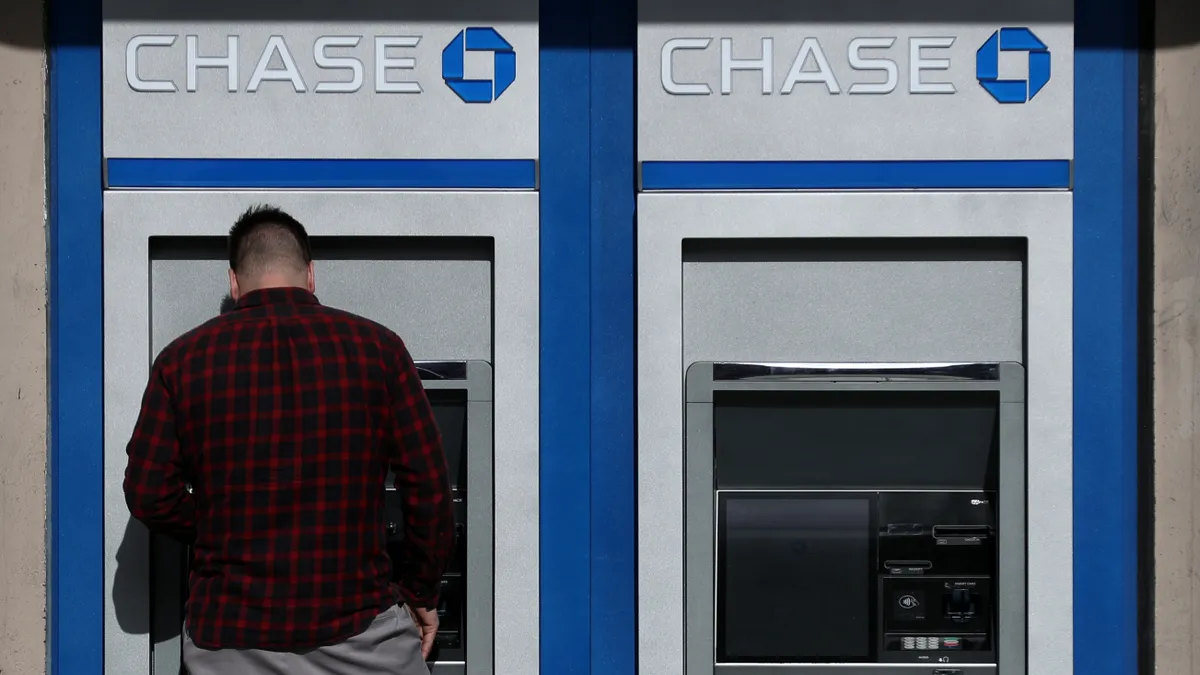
[
  {"x": 856, "y": 440},
  {"x": 795, "y": 578}
]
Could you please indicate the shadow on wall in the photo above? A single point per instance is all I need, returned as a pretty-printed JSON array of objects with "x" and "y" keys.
[
  {"x": 130, "y": 594},
  {"x": 133, "y": 580},
  {"x": 20, "y": 19}
]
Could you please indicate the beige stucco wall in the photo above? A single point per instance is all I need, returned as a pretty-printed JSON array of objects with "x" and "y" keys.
[
  {"x": 22, "y": 340},
  {"x": 1177, "y": 337}
]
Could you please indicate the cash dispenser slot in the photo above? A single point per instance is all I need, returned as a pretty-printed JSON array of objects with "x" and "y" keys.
[{"x": 856, "y": 521}]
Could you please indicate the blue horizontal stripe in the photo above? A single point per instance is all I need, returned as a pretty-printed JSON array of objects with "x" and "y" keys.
[
  {"x": 868, "y": 175},
  {"x": 466, "y": 174}
]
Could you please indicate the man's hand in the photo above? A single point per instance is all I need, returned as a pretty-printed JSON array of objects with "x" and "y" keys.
[{"x": 427, "y": 623}]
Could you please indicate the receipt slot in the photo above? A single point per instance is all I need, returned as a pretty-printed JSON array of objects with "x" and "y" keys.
[
  {"x": 461, "y": 300},
  {"x": 863, "y": 515},
  {"x": 460, "y": 394}
]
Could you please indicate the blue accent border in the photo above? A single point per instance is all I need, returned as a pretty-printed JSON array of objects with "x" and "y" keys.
[
  {"x": 566, "y": 373},
  {"x": 363, "y": 174},
  {"x": 76, "y": 592},
  {"x": 1106, "y": 338},
  {"x": 613, "y": 303},
  {"x": 859, "y": 175}
]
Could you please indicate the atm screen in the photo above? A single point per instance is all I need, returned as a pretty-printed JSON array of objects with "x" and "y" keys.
[{"x": 450, "y": 411}]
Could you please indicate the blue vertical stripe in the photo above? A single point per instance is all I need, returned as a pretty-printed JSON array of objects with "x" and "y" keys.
[
  {"x": 614, "y": 526},
  {"x": 76, "y": 594},
  {"x": 1106, "y": 349},
  {"x": 565, "y": 370}
]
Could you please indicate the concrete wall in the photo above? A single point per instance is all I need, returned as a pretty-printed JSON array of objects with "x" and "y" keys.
[
  {"x": 22, "y": 339},
  {"x": 1177, "y": 338}
]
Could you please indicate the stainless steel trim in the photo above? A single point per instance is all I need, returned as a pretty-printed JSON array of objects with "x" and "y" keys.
[
  {"x": 855, "y": 371},
  {"x": 442, "y": 370},
  {"x": 855, "y": 668}
]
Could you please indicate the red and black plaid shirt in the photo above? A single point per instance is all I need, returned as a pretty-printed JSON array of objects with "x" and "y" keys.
[{"x": 284, "y": 417}]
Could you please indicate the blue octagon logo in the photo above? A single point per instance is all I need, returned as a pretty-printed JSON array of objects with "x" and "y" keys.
[
  {"x": 504, "y": 65},
  {"x": 987, "y": 65}
]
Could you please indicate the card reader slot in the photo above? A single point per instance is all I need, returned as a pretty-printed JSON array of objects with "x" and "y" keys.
[{"x": 955, "y": 531}]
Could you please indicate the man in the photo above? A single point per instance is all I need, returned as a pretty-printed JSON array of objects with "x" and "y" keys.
[{"x": 284, "y": 417}]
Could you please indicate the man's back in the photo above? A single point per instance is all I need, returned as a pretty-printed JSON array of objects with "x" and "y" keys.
[{"x": 286, "y": 417}]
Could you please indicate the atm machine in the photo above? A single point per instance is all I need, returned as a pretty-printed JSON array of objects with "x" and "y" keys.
[
  {"x": 459, "y": 299},
  {"x": 460, "y": 394},
  {"x": 865, "y": 515},
  {"x": 854, "y": 433}
]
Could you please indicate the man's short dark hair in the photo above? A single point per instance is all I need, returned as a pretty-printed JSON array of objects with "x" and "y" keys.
[{"x": 264, "y": 237}]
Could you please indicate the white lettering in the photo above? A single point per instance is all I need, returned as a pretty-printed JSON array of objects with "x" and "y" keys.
[
  {"x": 872, "y": 73},
  {"x": 764, "y": 63},
  {"x": 916, "y": 64},
  {"x": 264, "y": 72},
  {"x": 383, "y": 63},
  {"x": 133, "y": 73},
  {"x": 327, "y": 62},
  {"x": 229, "y": 62},
  {"x": 823, "y": 73},
  {"x": 859, "y": 62},
  {"x": 667, "y": 70}
]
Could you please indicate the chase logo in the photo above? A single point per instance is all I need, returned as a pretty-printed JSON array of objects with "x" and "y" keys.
[
  {"x": 987, "y": 65},
  {"x": 504, "y": 65}
]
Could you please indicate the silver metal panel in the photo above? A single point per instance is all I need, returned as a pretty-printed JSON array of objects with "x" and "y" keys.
[
  {"x": 131, "y": 218},
  {"x": 665, "y": 220},
  {"x": 969, "y": 310},
  {"x": 480, "y": 612},
  {"x": 791, "y": 115},
  {"x": 327, "y": 112},
  {"x": 1012, "y": 594},
  {"x": 441, "y": 308},
  {"x": 700, "y": 548},
  {"x": 856, "y": 669}
]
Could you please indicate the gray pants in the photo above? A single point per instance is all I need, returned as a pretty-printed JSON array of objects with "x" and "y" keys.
[{"x": 391, "y": 645}]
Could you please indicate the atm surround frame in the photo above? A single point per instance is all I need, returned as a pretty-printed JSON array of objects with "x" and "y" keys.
[
  {"x": 705, "y": 379},
  {"x": 475, "y": 378},
  {"x": 1043, "y": 219},
  {"x": 510, "y": 219}
]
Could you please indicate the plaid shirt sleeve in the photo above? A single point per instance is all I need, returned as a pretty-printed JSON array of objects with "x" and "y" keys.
[
  {"x": 155, "y": 486},
  {"x": 422, "y": 478}
]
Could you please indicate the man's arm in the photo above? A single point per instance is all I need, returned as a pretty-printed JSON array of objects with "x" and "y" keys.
[
  {"x": 155, "y": 487},
  {"x": 419, "y": 463}
]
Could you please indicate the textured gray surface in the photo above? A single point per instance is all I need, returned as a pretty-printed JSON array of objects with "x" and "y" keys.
[
  {"x": 810, "y": 123},
  {"x": 213, "y": 122},
  {"x": 511, "y": 219},
  {"x": 829, "y": 311},
  {"x": 664, "y": 221},
  {"x": 1176, "y": 340},
  {"x": 441, "y": 308},
  {"x": 24, "y": 526}
]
